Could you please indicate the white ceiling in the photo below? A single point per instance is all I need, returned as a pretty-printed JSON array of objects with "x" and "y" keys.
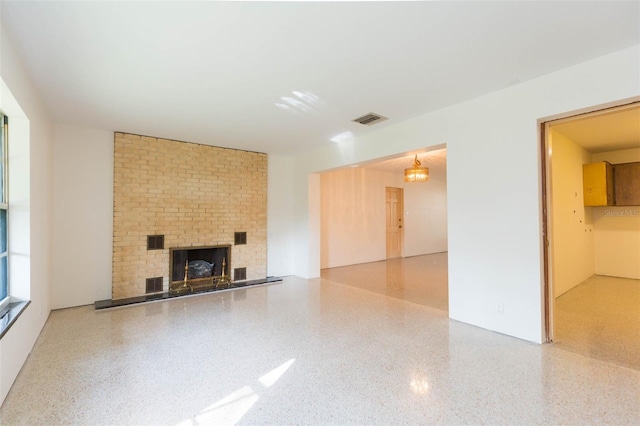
[
  {"x": 286, "y": 77},
  {"x": 608, "y": 130}
]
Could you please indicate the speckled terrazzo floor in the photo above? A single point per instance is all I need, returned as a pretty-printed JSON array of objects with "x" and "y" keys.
[
  {"x": 304, "y": 352},
  {"x": 417, "y": 279},
  {"x": 601, "y": 318}
]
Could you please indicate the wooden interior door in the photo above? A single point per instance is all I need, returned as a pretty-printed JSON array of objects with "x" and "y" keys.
[{"x": 394, "y": 208}]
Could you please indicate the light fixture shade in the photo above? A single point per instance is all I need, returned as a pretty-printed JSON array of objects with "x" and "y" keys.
[{"x": 416, "y": 173}]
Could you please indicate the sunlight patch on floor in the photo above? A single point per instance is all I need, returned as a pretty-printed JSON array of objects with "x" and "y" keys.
[
  {"x": 272, "y": 376},
  {"x": 230, "y": 409}
]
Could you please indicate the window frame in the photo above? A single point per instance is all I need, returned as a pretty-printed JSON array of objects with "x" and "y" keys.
[{"x": 4, "y": 200}]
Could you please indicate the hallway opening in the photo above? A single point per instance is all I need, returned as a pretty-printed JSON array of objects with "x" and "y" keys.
[{"x": 382, "y": 234}]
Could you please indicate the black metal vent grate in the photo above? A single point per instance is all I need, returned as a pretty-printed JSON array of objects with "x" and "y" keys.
[
  {"x": 155, "y": 242},
  {"x": 369, "y": 119},
  {"x": 240, "y": 238},
  {"x": 239, "y": 274},
  {"x": 154, "y": 285}
]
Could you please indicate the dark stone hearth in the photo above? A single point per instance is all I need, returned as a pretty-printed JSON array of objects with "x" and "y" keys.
[{"x": 110, "y": 303}]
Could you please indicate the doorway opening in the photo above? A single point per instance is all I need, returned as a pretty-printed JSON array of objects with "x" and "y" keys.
[
  {"x": 591, "y": 248},
  {"x": 382, "y": 234}
]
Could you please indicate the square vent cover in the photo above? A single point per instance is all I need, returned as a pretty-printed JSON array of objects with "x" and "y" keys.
[
  {"x": 240, "y": 238},
  {"x": 239, "y": 274},
  {"x": 155, "y": 242},
  {"x": 370, "y": 119}
]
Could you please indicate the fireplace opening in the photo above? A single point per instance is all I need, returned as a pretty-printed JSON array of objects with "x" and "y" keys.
[{"x": 199, "y": 266}]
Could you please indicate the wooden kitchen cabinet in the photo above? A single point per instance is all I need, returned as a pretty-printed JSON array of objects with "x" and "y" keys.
[
  {"x": 598, "y": 181},
  {"x": 627, "y": 184}
]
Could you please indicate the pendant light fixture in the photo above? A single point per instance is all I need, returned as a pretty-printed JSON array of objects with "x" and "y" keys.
[{"x": 417, "y": 173}]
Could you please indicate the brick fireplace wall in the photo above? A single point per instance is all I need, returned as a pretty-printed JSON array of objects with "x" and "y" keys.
[{"x": 195, "y": 195}]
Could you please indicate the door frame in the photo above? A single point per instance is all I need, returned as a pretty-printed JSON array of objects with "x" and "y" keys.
[{"x": 546, "y": 205}]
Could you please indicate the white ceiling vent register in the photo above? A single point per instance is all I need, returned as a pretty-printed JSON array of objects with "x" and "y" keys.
[{"x": 369, "y": 119}]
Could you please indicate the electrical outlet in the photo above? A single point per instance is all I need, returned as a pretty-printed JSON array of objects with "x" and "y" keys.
[{"x": 500, "y": 308}]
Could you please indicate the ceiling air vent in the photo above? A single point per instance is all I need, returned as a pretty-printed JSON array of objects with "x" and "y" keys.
[{"x": 369, "y": 119}]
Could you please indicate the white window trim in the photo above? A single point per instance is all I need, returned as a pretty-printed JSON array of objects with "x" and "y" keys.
[{"x": 5, "y": 196}]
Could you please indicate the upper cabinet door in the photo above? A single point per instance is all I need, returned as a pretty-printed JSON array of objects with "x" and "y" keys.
[
  {"x": 597, "y": 179},
  {"x": 627, "y": 184}
]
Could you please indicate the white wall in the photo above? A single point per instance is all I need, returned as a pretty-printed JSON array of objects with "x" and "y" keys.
[
  {"x": 279, "y": 208},
  {"x": 425, "y": 217},
  {"x": 31, "y": 171},
  {"x": 617, "y": 229},
  {"x": 305, "y": 220},
  {"x": 617, "y": 241},
  {"x": 353, "y": 215},
  {"x": 82, "y": 216},
  {"x": 571, "y": 223},
  {"x": 493, "y": 186}
]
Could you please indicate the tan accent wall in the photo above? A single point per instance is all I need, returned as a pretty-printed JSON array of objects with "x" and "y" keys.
[{"x": 194, "y": 195}]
